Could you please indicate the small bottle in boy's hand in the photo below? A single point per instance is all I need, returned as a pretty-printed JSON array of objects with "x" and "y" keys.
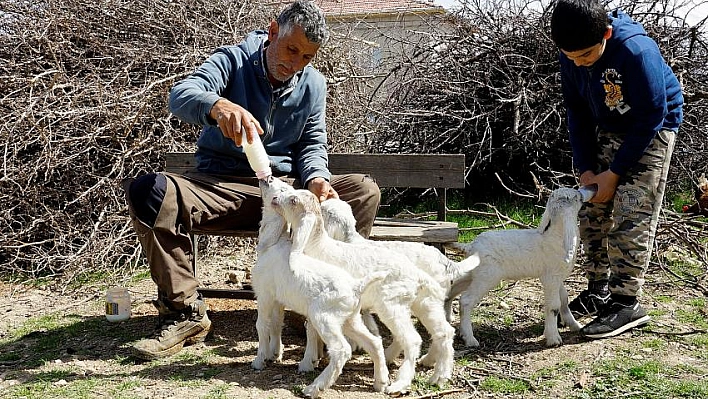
[
  {"x": 588, "y": 192},
  {"x": 257, "y": 156}
]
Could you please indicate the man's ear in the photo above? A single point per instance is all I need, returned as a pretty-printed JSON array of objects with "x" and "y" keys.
[
  {"x": 608, "y": 33},
  {"x": 273, "y": 30}
]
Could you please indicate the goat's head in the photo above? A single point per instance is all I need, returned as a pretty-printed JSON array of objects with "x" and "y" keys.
[
  {"x": 272, "y": 223},
  {"x": 562, "y": 210},
  {"x": 339, "y": 220},
  {"x": 301, "y": 209}
]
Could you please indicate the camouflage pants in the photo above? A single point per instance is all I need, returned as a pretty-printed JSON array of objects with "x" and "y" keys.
[{"x": 618, "y": 236}]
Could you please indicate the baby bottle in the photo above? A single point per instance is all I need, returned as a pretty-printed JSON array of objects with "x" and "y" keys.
[
  {"x": 257, "y": 156},
  {"x": 588, "y": 192}
]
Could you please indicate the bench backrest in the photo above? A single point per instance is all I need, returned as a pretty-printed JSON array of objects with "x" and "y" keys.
[
  {"x": 389, "y": 170},
  {"x": 441, "y": 171}
]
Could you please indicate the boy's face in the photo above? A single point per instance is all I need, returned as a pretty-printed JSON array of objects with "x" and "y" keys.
[{"x": 588, "y": 56}]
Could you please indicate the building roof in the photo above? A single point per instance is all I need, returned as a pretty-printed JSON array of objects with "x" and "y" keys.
[{"x": 368, "y": 7}]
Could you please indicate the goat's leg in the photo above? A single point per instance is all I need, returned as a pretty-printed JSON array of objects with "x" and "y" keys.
[
  {"x": 356, "y": 329},
  {"x": 393, "y": 351},
  {"x": 338, "y": 349},
  {"x": 441, "y": 354},
  {"x": 265, "y": 308},
  {"x": 566, "y": 316},
  {"x": 469, "y": 300},
  {"x": 448, "y": 309},
  {"x": 398, "y": 320},
  {"x": 313, "y": 349},
  {"x": 552, "y": 303},
  {"x": 370, "y": 322},
  {"x": 276, "y": 333}
]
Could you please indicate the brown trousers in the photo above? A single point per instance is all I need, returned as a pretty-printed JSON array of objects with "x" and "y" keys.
[{"x": 214, "y": 203}]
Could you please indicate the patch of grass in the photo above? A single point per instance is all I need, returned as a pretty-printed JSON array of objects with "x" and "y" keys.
[
  {"x": 421, "y": 384},
  {"x": 504, "y": 385},
  {"x": 645, "y": 379},
  {"x": 56, "y": 384}
]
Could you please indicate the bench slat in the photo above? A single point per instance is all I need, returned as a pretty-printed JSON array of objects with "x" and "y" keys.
[
  {"x": 389, "y": 170},
  {"x": 388, "y": 229}
]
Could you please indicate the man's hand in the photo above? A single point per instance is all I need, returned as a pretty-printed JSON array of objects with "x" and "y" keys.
[
  {"x": 321, "y": 188},
  {"x": 231, "y": 118},
  {"x": 606, "y": 184}
]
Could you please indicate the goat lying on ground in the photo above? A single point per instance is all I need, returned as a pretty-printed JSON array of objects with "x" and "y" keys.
[
  {"x": 404, "y": 290},
  {"x": 341, "y": 225},
  {"x": 327, "y": 295},
  {"x": 547, "y": 253}
]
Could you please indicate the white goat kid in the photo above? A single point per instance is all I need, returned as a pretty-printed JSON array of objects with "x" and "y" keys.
[
  {"x": 404, "y": 290},
  {"x": 328, "y": 296},
  {"x": 341, "y": 225},
  {"x": 547, "y": 253}
]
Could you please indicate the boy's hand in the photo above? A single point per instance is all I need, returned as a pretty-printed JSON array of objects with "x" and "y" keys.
[{"x": 606, "y": 184}]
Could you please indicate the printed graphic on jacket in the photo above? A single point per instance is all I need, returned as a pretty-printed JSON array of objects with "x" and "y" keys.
[{"x": 614, "y": 99}]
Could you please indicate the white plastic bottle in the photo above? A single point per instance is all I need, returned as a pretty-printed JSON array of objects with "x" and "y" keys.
[
  {"x": 257, "y": 156},
  {"x": 117, "y": 304},
  {"x": 588, "y": 192}
]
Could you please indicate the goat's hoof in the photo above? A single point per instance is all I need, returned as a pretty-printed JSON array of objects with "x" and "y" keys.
[
  {"x": 311, "y": 391},
  {"x": 398, "y": 388},
  {"x": 438, "y": 380},
  {"x": 379, "y": 386},
  {"x": 305, "y": 367},
  {"x": 471, "y": 342},
  {"x": 258, "y": 364},
  {"x": 554, "y": 342},
  {"x": 427, "y": 361}
]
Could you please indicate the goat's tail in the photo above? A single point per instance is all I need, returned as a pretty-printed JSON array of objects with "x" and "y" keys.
[
  {"x": 366, "y": 282},
  {"x": 459, "y": 247}
]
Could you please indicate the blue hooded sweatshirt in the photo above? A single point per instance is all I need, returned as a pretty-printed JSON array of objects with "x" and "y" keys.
[
  {"x": 630, "y": 91},
  {"x": 293, "y": 117}
]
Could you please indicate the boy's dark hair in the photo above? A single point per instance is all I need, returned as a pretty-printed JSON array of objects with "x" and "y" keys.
[{"x": 578, "y": 24}]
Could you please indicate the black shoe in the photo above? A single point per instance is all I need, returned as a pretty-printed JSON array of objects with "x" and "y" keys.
[
  {"x": 616, "y": 319},
  {"x": 589, "y": 303}
]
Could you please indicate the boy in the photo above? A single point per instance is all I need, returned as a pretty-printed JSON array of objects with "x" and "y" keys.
[{"x": 624, "y": 107}]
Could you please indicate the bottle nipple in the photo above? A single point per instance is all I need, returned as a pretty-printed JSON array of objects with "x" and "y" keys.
[
  {"x": 588, "y": 192},
  {"x": 257, "y": 156}
]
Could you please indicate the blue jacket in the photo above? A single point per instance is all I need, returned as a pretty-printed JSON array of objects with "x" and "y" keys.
[
  {"x": 293, "y": 116},
  {"x": 630, "y": 91}
]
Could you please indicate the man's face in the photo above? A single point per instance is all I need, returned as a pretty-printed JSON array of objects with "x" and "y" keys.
[{"x": 289, "y": 53}]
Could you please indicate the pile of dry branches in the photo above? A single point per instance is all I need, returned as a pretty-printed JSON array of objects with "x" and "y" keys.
[{"x": 83, "y": 106}]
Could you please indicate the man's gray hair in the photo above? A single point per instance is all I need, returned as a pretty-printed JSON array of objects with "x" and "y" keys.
[{"x": 309, "y": 17}]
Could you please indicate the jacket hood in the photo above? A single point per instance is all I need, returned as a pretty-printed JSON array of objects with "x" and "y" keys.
[{"x": 623, "y": 28}]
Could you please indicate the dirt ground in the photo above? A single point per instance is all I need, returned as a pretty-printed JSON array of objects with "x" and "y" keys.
[{"x": 512, "y": 345}]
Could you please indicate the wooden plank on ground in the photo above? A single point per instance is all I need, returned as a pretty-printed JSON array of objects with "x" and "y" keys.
[{"x": 389, "y": 229}]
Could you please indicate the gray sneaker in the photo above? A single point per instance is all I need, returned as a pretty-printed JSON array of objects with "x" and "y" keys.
[
  {"x": 175, "y": 330},
  {"x": 616, "y": 319},
  {"x": 589, "y": 303}
]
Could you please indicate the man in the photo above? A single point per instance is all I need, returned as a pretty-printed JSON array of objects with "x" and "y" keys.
[
  {"x": 265, "y": 85},
  {"x": 624, "y": 108}
]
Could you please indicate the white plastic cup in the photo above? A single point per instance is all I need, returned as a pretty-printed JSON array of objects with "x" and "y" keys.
[{"x": 117, "y": 304}]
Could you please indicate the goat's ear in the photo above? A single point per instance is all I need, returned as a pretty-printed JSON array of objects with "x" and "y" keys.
[
  {"x": 302, "y": 231},
  {"x": 545, "y": 221},
  {"x": 272, "y": 226},
  {"x": 570, "y": 240}
]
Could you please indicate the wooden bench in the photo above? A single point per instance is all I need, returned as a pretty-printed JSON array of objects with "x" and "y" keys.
[{"x": 439, "y": 171}]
